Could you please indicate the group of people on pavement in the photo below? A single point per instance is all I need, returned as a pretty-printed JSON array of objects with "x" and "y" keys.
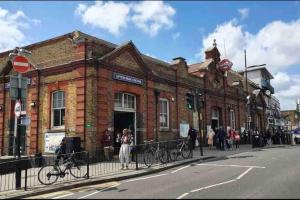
[{"x": 223, "y": 140}]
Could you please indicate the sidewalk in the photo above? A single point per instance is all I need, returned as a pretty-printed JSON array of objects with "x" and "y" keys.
[{"x": 209, "y": 155}]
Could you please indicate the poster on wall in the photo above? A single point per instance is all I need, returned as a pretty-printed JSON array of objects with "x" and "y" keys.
[
  {"x": 52, "y": 141},
  {"x": 184, "y": 129}
]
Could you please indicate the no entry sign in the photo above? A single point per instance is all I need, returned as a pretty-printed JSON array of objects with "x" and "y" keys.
[{"x": 20, "y": 64}]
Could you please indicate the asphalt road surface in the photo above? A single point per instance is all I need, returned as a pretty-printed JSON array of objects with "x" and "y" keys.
[{"x": 269, "y": 173}]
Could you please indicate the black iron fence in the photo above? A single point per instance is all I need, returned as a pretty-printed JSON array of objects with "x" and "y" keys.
[{"x": 39, "y": 171}]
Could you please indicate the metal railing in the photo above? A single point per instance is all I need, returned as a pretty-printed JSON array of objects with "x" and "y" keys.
[{"x": 37, "y": 170}]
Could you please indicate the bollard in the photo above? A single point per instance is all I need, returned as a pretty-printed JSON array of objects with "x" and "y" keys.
[
  {"x": 88, "y": 166},
  {"x": 136, "y": 158}
]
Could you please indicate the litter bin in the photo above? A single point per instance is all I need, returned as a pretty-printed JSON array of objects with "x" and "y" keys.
[{"x": 108, "y": 152}]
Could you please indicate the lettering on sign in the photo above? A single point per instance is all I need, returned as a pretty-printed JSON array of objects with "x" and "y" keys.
[{"x": 126, "y": 78}]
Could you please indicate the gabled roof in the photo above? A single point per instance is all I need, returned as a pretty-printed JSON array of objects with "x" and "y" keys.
[{"x": 200, "y": 66}]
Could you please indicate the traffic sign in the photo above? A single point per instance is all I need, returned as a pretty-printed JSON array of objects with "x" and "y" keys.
[
  {"x": 20, "y": 64},
  {"x": 18, "y": 109}
]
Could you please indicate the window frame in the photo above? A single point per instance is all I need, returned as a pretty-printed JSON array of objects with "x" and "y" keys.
[
  {"x": 123, "y": 108},
  {"x": 59, "y": 108},
  {"x": 168, "y": 113}
]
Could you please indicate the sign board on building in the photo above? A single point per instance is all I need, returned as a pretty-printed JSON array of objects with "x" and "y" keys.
[
  {"x": 20, "y": 64},
  {"x": 126, "y": 78},
  {"x": 184, "y": 129},
  {"x": 52, "y": 141}
]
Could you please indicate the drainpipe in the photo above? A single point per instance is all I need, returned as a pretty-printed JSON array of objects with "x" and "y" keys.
[
  {"x": 85, "y": 81},
  {"x": 3, "y": 119},
  {"x": 38, "y": 111},
  {"x": 177, "y": 109},
  {"x": 238, "y": 102},
  {"x": 157, "y": 93}
]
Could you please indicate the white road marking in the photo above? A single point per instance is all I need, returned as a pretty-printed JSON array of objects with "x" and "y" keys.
[
  {"x": 183, "y": 195},
  {"x": 179, "y": 169},
  {"x": 210, "y": 186},
  {"x": 137, "y": 179},
  {"x": 99, "y": 191},
  {"x": 62, "y": 196},
  {"x": 243, "y": 174},
  {"x": 217, "y": 165}
]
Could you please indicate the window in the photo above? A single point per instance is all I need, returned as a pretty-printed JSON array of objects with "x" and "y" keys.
[
  {"x": 58, "y": 109},
  {"x": 164, "y": 113},
  {"x": 232, "y": 119},
  {"x": 124, "y": 101}
]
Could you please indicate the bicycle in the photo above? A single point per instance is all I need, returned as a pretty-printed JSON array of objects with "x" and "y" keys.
[
  {"x": 48, "y": 175},
  {"x": 154, "y": 152},
  {"x": 183, "y": 148}
]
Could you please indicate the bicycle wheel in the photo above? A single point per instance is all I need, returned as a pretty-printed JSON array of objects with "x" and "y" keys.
[
  {"x": 163, "y": 155},
  {"x": 148, "y": 158},
  {"x": 48, "y": 175},
  {"x": 173, "y": 154},
  {"x": 185, "y": 151},
  {"x": 78, "y": 169}
]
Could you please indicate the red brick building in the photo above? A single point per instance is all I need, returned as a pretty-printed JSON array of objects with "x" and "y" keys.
[{"x": 82, "y": 86}]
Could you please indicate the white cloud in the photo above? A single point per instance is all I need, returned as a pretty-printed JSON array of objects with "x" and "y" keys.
[
  {"x": 277, "y": 45},
  {"x": 11, "y": 28},
  {"x": 244, "y": 12},
  {"x": 151, "y": 16},
  {"x": 287, "y": 89},
  {"x": 176, "y": 35},
  {"x": 109, "y": 15}
]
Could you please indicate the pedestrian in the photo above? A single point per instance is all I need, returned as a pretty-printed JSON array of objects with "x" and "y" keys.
[
  {"x": 61, "y": 151},
  {"x": 230, "y": 138},
  {"x": 192, "y": 135},
  {"x": 124, "y": 151},
  {"x": 245, "y": 133},
  {"x": 118, "y": 141},
  {"x": 237, "y": 139},
  {"x": 210, "y": 138},
  {"x": 269, "y": 137},
  {"x": 221, "y": 135},
  {"x": 216, "y": 139}
]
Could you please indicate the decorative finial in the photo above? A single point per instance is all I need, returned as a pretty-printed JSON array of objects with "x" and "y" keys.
[{"x": 215, "y": 44}]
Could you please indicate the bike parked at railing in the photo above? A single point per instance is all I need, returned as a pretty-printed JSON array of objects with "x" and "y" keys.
[
  {"x": 183, "y": 148},
  {"x": 48, "y": 175},
  {"x": 154, "y": 151}
]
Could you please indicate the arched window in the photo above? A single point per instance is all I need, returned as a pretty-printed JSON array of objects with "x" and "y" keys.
[{"x": 58, "y": 109}]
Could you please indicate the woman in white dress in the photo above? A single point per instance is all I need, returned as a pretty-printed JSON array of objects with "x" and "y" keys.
[
  {"x": 124, "y": 151},
  {"x": 210, "y": 137}
]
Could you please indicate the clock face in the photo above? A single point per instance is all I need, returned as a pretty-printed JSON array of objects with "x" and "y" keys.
[{"x": 268, "y": 92}]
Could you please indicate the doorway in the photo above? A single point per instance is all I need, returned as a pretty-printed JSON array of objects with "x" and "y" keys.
[
  {"x": 215, "y": 119},
  {"x": 124, "y": 120}
]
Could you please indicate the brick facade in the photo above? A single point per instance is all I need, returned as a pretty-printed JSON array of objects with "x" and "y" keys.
[{"x": 82, "y": 66}]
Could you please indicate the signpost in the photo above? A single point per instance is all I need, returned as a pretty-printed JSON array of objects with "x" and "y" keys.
[{"x": 18, "y": 91}]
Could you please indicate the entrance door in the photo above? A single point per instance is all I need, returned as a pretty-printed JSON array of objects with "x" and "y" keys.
[
  {"x": 124, "y": 120},
  {"x": 125, "y": 113},
  {"x": 215, "y": 119}
]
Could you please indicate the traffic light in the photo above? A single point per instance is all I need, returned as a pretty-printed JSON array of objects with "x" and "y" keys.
[{"x": 190, "y": 101}]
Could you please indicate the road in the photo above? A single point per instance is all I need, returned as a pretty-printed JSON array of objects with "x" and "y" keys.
[{"x": 268, "y": 173}]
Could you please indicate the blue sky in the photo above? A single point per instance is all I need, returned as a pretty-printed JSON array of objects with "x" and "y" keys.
[{"x": 270, "y": 31}]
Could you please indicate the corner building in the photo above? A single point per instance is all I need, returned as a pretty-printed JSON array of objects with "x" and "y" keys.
[{"x": 82, "y": 86}]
